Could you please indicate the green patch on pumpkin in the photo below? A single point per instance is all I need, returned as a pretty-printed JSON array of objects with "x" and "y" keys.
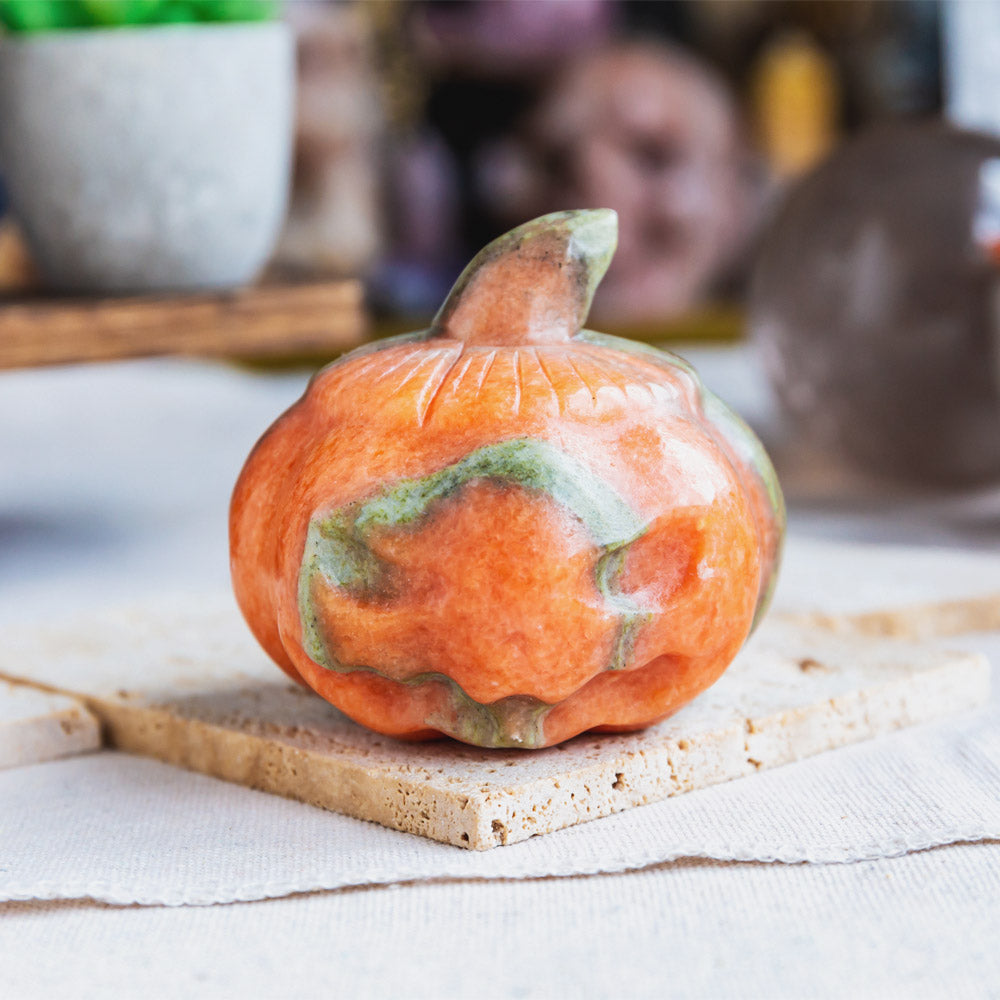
[{"x": 338, "y": 552}]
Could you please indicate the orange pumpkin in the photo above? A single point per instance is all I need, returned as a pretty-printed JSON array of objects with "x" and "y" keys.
[{"x": 507, "y": 529}]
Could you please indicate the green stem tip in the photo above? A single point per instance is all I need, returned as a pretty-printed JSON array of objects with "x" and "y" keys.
[{"x": 533, "y": 285}]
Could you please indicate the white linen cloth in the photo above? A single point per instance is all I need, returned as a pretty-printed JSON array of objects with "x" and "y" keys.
[
  {"x": 916, "y": 927},
  {"x": 122, "y": 829}
]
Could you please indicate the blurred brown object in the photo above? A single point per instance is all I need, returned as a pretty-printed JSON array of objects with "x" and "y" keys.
[
  {"x": 333, "y": 224},
  {"x": 876, "y": 306},
  {"x": 650, "y": 131},
  {"x": 17, "y": 270},
  {"x": 254, "y": 323}
]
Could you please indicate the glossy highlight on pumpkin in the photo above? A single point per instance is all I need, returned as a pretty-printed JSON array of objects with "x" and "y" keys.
[{"x": 507, "y": 529}]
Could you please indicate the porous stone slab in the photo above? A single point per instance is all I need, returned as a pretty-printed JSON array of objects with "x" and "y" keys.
[
  {"x": 188, "y": 685},
  {"x": 36, "y": 726},
  {"x": 912, "y": 592}
]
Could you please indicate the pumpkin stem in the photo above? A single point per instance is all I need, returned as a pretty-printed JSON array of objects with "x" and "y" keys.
[{"x": 534, "y": 284}]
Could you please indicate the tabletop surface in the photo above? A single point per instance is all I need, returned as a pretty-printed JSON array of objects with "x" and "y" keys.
[{"x": 114, "y": 484}]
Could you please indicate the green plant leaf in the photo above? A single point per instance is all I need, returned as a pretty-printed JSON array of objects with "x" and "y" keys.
[
  {"x": 115, "y": 13},
  {"x": 28, "y": 16},
  {"x": 25, "y": 16}
]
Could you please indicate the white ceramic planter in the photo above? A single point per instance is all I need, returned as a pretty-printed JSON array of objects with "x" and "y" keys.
[{"x": 150, "y": 158}]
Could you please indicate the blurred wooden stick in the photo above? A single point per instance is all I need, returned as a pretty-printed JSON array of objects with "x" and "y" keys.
[{"x": 268, "y": 321}]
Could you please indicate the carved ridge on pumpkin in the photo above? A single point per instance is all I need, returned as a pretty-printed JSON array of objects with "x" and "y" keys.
[{"x": 729, "y": 431}]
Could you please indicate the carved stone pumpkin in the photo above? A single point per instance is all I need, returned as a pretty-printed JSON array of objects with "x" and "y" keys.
[{"x": 505, "y": 528}]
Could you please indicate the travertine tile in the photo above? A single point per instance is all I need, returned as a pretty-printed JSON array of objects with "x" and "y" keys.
[
  {"x": 187, "y": 684},
  {"x": 36, "y": 726}
]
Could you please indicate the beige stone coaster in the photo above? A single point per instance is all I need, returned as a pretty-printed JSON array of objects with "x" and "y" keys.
[
  {"x": 36, "y": 726},
  {"x": 189, "y": 685},
  {"x": 905, "y": 591}
]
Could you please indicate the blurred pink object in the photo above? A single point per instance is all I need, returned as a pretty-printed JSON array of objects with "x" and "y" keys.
[{"x": 504, "y": 38}]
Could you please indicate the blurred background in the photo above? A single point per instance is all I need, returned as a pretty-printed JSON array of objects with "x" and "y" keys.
[
  {"x": 819, "y": 180},
  {"x": 427, "y": 128}
]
